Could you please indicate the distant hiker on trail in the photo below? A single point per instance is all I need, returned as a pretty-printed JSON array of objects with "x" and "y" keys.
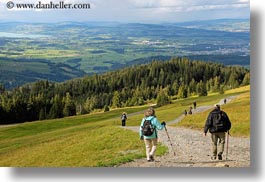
[
  {"x": 148, "y": 132},
  {"x": 194, "y": 104},
  {"x": 225, "y": 101},
  {"x": 185, "y": 112},
  {"x": 190, "y": 111},
  {"x": 217, "y": 123},
  {"x": 123, "y": 118}
]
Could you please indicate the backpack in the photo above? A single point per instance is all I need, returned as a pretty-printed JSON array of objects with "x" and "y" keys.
[
  {"x": 220, "y": 122},
  {"x": 147, "y": 128},
  {"x": 123, "y": 117}
]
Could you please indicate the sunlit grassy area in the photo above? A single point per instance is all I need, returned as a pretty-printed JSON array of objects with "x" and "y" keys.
[
  {"x": 77, "y": 147},
  {"x": 238, "y": 112},
  {"x": 176, "y": 109},
  {"x": 82, "y": 141}
]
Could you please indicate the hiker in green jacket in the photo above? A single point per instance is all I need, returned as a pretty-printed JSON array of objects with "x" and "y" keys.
[{"x": 148, "y": 132}]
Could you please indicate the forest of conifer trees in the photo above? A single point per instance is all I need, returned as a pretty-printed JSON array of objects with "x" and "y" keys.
[{"x": 135, "y": 85}]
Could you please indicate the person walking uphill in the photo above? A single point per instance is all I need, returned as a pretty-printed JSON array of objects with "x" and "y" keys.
[
  {"x": 123, "y": 119},
  {"x": 194, "y": 104},
  {"x": 217, "y": 123},
  {"x": 148, "y": 132}
]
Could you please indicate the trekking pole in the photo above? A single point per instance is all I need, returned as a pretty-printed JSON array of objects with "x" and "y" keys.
[
  {"x": 227, "y": 140},
  {"x": 170, "y": 141}
]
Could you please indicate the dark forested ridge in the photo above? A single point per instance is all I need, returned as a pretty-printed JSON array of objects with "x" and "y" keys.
[{"x": 136, "y": 85}]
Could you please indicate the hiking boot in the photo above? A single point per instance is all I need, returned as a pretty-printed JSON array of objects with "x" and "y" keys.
[
  {"x": 220, "y": 157},
  {"x": 152, "y": 158}
]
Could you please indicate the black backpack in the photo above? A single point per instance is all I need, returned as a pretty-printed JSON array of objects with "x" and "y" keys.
[
  {"x": 123, "y": 117},
  {"x": 220, "y": 122},
  {"x": 147, "y": 128}
]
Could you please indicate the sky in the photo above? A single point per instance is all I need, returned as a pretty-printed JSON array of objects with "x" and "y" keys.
[{"x": 142, "y": 11}]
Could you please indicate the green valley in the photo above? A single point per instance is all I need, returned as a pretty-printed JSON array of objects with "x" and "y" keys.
[{"x": 66, "y": 50}]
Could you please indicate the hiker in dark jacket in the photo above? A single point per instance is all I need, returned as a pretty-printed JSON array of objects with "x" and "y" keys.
[
  {"x": 194, "y": 104},
  {"x": 123, "y": 119},
  {"x": 217, "y": 123},
  {"x": 185, "y": 112},
  {"x": 190, "y": 111}
]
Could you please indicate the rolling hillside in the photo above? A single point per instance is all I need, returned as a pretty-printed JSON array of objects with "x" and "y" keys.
[
  {"x": 98, "y": 139},
  {"x": 158, "y": 82}
]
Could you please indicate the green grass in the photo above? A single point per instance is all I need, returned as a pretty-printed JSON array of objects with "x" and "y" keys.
[
  {"x": 89, "y": 145},
  {"x": 82, "y": 141},
  {"x": 95, "y": 140},
  {"x": 176, "y": 109},
  {"x": 238, "y": 112},
  {"x": 37, "y": 127},
  {"x": 86, "y": 146}
]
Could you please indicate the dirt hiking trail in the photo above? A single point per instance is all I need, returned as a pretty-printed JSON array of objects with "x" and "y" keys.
[{"x": 193, "y": 149}]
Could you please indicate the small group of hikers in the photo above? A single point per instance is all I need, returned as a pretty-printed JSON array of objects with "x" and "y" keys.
[
  {"x": 217, "y": 124},
  {"x": 186, "y": 112},
  {"x": 190, "y": 109}
]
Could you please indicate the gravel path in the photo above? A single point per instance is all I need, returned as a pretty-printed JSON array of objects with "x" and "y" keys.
[
  {"x": 202, "y": 109},
  {"x": 193, "y": 149}
]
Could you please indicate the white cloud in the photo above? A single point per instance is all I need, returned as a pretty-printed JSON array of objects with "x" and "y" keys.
[
  {"x": 243, "y": 1},
  {"x": 155, "y": 3},
  {"x": 215, "y": 7},
  {"x": 135, "y": 10},
  {"x": 189, "y": 4}
]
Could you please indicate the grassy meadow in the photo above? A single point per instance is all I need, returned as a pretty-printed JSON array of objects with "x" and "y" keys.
[
  {"x": 97, "y": 140},
  {"x": 238, "y": 112},
  {"x": 83, "y": 141}
]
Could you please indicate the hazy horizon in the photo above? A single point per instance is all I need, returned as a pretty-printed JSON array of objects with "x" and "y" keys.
[{"x": 119, "y": 22}]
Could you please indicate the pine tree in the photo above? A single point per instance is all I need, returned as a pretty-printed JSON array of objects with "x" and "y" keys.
[
  {"x": 116, "y": 101},
  {"x": 69, "y": 106},
  {"x": 56, "y": 110},
  {"x": 221, "y": 91},
  {"x": 162, "y": 98},
  {"x": 246, "y": 80},
  {"x": 106, "y": 108},
  {"x": 217, "y": 84},
  {"x": 201, "y": 89},
  {"x": 42, "y": 114},
  {"x": 183, "y": 92}
]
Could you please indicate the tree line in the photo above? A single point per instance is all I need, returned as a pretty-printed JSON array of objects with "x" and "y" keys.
[{"x": 157, "y": 82}]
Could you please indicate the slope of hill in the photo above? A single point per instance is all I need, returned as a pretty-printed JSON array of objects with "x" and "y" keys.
[
  {"x": 96, "y": 140},
  {"x": 17, "y": 72},
  {"x": 156, "y": 82}
]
